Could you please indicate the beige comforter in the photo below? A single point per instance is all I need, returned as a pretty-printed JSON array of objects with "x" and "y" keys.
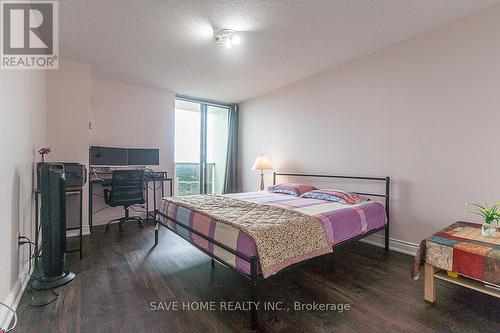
[{"x": 282, "y": 237}]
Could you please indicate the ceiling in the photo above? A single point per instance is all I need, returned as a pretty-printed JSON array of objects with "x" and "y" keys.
[{"x": 170, "y": 44}]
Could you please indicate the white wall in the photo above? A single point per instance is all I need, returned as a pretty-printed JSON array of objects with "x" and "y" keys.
[
  {"x": 53, "y": 109},
  {"x": 68, "y": 102},
  {"x": 121, "y": 115},
  {"x": 125, "y": 115},
  {"x": 22, "y": 132},
  {"x": 425, "y": 112}
]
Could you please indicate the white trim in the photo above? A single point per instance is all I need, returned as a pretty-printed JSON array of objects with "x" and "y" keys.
[
  {"x": 106, "y": 219},
  {"x": 17, "y": 291},
  {"x": 75, "y": 233},
  {"x": 13, "y": 299},
  {"x": 394, "y": 244}
]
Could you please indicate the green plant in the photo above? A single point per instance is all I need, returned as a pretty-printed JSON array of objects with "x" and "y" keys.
[{"x": 488, "y": 212}]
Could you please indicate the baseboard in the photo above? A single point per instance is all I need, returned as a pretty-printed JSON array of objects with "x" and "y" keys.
[
  {"x": 105, "y": 220},
  {"x": 75, "y": 233},
  {"x": 394, "y": 244},
  {"x": 17, "y": 291},
  {"x": 13, "y": 299}
]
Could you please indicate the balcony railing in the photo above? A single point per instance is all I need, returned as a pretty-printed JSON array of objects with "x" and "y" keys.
[{"x": 187, "y": 178}]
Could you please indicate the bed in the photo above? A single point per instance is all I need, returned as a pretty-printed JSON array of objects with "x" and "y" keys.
[{"x": 236, "y": 247}]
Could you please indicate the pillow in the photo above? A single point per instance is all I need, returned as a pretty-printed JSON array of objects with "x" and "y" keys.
[
  {"x": 289, "y": 188},
  {"x": 346, "y": 198}
]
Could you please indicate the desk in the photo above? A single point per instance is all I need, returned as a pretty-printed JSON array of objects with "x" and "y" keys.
[
  {"x": 70, "y": 190},
  {"x": 149, "y": 177}
]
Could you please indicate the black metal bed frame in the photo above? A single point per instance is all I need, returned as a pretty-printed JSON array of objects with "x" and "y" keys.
[{"x": 253, "y": 261}]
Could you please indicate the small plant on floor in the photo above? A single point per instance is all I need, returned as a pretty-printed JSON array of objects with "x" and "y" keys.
[{"x": 490, "y": 214}]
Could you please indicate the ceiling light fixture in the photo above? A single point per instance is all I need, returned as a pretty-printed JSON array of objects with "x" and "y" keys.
[{"x": 227, "y": 38}]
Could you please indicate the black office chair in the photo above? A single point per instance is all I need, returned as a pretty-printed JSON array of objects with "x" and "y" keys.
[{"x": 127, "y": 188}]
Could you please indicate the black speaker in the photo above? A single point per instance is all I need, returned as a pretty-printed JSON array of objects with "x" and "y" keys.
[{"x": 53, "y": 222}]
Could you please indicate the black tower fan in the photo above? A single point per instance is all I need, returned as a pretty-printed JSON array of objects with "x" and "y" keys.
[{"x": 53, "y": 222}]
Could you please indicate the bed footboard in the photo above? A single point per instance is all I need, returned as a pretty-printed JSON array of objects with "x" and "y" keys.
[{"x": 254, "y": 276}]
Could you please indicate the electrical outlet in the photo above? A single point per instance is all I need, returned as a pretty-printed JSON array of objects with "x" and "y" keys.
[{"x": 21, "y": 240}]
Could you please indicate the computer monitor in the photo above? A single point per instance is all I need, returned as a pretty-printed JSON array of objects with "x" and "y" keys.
[
  {"x": 108, "y": 156},
  {"x": 141, "y": 156}
]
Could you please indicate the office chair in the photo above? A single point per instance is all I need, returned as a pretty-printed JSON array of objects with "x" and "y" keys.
[{"x": 127, "y": 188}]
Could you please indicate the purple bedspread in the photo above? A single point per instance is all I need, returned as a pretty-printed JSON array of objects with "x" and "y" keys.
[{"x": 340, "y": 222}]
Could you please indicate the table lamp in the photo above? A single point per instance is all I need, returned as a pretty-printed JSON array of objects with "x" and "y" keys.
[{"x": 262, "y": 163}]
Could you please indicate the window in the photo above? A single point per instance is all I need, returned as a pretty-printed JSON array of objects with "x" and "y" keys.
[{"x": 201, "y": 134}]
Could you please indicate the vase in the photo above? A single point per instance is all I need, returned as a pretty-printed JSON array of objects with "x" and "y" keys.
[{"x": 488, "y": 230}]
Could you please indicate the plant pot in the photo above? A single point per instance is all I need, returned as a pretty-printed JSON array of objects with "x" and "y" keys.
[{"x": 488, "y": 230}]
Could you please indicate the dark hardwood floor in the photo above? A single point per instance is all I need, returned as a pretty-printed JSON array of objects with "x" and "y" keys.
[{"x": 121, "y": 274}]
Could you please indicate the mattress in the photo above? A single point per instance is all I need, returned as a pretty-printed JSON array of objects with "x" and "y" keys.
[{"x": 340, "y": 222}]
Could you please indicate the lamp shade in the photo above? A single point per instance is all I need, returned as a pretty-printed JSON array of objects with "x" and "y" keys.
[{"x": 262, "y": 163}]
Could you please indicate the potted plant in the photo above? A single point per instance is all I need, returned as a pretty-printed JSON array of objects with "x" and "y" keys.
[
  {"x": 490, "y": 214},
  {"x": 44, "y": 151}
]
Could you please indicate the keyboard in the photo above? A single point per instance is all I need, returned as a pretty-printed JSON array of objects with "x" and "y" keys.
[{"x": 107, "y": 176}]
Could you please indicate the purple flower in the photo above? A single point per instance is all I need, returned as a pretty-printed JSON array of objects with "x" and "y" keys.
[{"x": 44, "y": 151}]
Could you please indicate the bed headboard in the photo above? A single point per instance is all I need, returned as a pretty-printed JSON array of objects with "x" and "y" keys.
[{"x": 385, "y": 195}]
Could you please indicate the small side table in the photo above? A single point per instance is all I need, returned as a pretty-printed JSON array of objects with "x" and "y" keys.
[{"x": 460, "y": 248}]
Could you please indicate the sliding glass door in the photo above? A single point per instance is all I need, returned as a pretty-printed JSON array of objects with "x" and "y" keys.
[
  {"x": 216, "y": 150},
  {"x": 201, "y": 135}
]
